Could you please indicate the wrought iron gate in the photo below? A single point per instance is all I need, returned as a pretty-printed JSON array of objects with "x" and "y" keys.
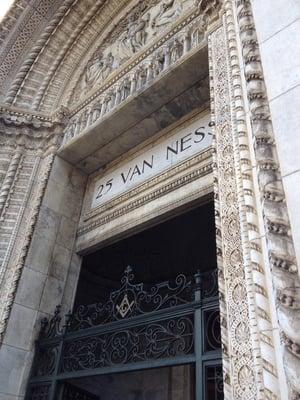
[{"x": 139, "y": 327}]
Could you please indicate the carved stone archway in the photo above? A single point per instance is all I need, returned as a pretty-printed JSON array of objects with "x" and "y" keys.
[{"x": 258, "y": 279}]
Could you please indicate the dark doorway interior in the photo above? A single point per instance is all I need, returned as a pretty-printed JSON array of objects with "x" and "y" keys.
[
  {"x": 183, "y": 244},
  {"x": 168, "y": 383}
]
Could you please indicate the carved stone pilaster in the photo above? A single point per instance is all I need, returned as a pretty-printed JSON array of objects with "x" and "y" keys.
[
  {"x": 276, "y": 221},
  {"x": 32, "y": 141},
  {"x": 265, "y": 331},
  {"x": 241, "y": 374}
]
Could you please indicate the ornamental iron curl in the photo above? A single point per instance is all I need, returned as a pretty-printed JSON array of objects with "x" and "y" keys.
[
  {"x": 157, "y": 340},
  {"x": 51, "y": 328},
  {"x": 212, "y": 331},
  {"x": 154, "y": 325},
  {"x": 132, "y": 300}
]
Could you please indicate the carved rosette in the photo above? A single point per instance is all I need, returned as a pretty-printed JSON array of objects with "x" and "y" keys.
[{"x": 275, "y": 215}]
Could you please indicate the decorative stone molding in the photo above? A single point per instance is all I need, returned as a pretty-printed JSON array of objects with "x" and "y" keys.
[
  {"x": 9, "y": 177},
  {"x": 32, "y": 131},
  {"x": 11, "y": 269},
  {"x": 275, "y": 215},
  {"x": 151, "y": 190},
  {"x": 265, "y": 330},
  {"x": 161, "y": 57},
  {"x": 16, "y": 116},
  {"x": 18, "y": 30},
  {"x": 33, "y": 54},
  {"x": 70, "y": 20},
  {"x": 240, "y": 369},
  {"x": 25, "y": 92},
  {"x": 8, "y": 23}
]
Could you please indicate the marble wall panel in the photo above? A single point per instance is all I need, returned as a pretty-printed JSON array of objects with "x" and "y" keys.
[
  {"x": 278, "y": 34},
  {"x": 271, "y": 17}
]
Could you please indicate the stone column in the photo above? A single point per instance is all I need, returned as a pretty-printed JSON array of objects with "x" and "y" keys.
[{"x": 247, "y": 174}]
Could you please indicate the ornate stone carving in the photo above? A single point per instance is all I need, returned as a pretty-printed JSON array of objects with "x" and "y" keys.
[
  {"x": 143, "y": 19},
  {"x": 240, "y": 376},
  {"x": 279, "y": 240},
  {"x": 210, "y": 8},
  {"x": 260, "y": 298},
  {"x": 168, "y": 11},
  {"x": 143, "y": 23},
  {"x": 97, "y": 69},
  {"x": 166, "y": 53},
  {"x": 147, "y": 19}
]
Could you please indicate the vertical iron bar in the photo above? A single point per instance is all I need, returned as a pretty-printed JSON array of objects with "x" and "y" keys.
[
  {"x": 198, "y": 337},
  {"x": 53, "y": 389},
  {"x": 54, "y": 385}
]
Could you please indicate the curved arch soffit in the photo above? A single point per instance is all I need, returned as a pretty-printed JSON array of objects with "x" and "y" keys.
[{"x": 61, "y": 50}]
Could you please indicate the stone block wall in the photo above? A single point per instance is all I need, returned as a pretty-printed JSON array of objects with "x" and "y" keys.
[{"x": 50, "y": 263}]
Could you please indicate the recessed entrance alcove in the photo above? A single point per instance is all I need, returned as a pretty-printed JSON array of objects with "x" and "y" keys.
[
  {"x": 123, "y": 121},
  {"x": 148, "y": 355},
  {"x": 145, "y": 322},
  {"x": 181, "y": 245}
]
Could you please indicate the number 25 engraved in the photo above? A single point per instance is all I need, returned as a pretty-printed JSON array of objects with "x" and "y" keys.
[{"x": 104, "y": 189}]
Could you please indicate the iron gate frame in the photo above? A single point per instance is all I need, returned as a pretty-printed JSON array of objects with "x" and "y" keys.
[{"x": 195, "y": 310}]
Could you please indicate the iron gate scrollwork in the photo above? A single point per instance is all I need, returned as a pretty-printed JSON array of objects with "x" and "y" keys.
[
  {"x": 156, "y": 340},
  {"x": 174, "y": 322},
  {"x": 132, "y": 300}
]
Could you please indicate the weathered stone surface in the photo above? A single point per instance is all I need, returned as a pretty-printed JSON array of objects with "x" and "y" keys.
[
  {"x": 121, "y": 89},
  {"x": 12, "y": 363},
  {"x": 30, "y": 287}
]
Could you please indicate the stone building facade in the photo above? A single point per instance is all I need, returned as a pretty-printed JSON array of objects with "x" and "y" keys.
[{"x": 90, "y": 88}]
